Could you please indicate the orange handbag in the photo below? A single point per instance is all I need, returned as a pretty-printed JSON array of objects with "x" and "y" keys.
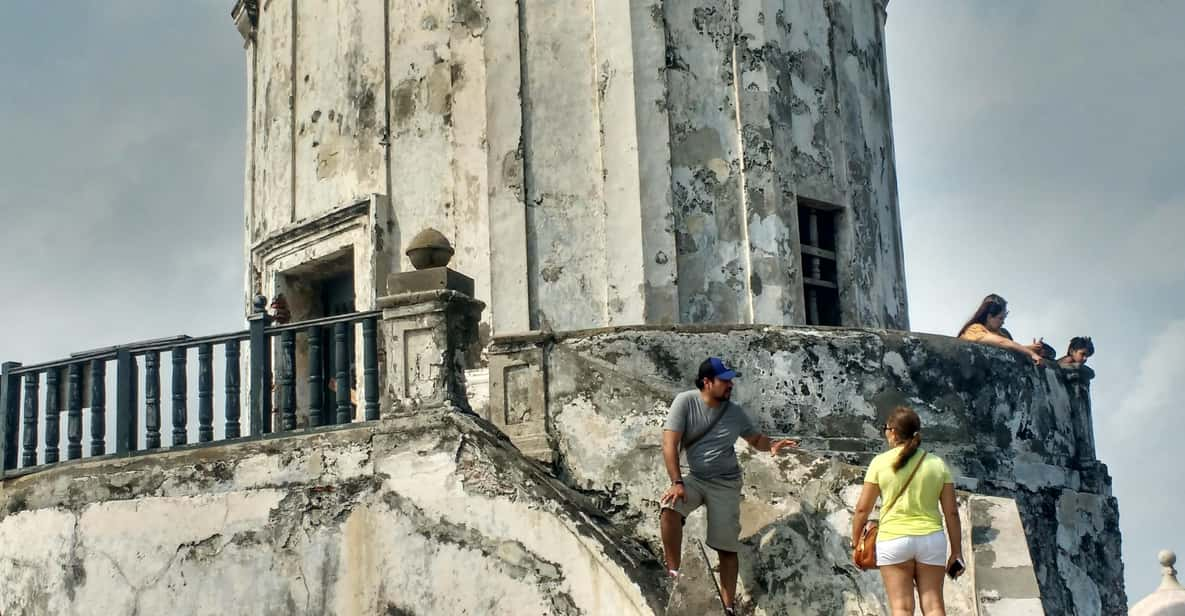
[{"x": 864, "y": 552}]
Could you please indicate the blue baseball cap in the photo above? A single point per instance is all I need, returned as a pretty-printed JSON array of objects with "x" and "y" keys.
[{"x": 713, "y": 367}]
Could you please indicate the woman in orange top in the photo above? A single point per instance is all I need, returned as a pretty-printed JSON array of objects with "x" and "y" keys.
[{"x": 987, "y": 326}]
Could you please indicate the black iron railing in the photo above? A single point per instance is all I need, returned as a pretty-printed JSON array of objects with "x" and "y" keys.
[{"x": 31, "y": 422}]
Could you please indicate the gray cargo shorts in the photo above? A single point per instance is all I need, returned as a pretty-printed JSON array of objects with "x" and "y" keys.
[{"x": 723, "y": 500}]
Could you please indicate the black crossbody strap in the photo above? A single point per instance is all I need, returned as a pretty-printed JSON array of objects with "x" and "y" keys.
[{"x": 715, "y": 420}]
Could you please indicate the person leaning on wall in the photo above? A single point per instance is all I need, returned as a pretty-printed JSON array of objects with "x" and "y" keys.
[
  {"x": 986, "y": 326},
  {"x": 1081, "y": 348},
  {"x": 911, "y": 547}
]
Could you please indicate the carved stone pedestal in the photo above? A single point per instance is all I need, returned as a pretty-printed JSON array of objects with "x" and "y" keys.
[{"x": 428, "y": 334}]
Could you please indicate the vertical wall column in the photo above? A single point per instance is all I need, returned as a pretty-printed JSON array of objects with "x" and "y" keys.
[
  {"x": 420, "y": 82},
  {"x": 871, "y": 272},
  {"x": 625, "y": 272},
  {"x": 509, "y": 293},
  {"x": 771, "y": 215},
  {"x": 567, "y": 263},
  {"x": 271, "y": 160},
  {"x": 707, "y": 170},
  {"x": 652, "y": 124}
]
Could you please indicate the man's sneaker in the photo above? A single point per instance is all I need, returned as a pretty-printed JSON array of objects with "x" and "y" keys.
[
  {"x": 730, "y": 611},
  {"x": 673, "y": 574}
]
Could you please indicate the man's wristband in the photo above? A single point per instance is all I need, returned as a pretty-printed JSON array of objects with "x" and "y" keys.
[{"x": 678, "y": 482}]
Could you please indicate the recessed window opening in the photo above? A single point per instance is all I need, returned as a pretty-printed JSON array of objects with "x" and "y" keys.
[{"x": 820, "y": 281}]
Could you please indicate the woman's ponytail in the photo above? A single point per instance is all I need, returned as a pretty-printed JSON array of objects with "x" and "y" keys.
[{"x": 908, "y": 427}]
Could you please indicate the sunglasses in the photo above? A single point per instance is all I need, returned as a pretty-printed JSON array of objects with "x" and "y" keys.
[{"x": 886, "y": 426}]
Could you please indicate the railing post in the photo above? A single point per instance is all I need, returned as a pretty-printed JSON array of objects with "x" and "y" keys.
[
  {"x": 29, "y": 444},
  {"x": 180, "y": 410},
  {"x": 53, "y": 412},
  {"x": 98, "y": 407},
  {"x": 370, "y": 368},
  {"x": 152, "y": 399},
  {"x": 232, "y": 389},
  {"x": 74, "y": 412},
  {"x": 125, "y": 402},
  {"x": 287, "y": 384},
  {"x": 10, "y": 402},
  {"x": 316, "y": 381},
  {"x": 205, "y": 355},
  {"x": 341, "y": 363},
  {"x": 261, "y": 369}
]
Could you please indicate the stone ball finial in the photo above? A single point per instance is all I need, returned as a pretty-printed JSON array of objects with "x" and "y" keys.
[
  {"x": 1167, "y": 558},
  {"x": 429, "y": 248}
]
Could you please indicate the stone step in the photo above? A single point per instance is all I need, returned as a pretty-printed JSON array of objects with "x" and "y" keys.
[
  {"x": 534, "y": 446},
  {"x": 694, "y": 592},
  {"x": 537, "y": 440}
]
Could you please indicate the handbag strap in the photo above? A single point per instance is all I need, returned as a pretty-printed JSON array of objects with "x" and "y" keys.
[
  {"x": 712, "y": 424},
  {"x": 905, "y": 485}
]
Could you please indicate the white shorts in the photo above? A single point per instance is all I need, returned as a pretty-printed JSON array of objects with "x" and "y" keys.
[{"x": 925, "y": 549}]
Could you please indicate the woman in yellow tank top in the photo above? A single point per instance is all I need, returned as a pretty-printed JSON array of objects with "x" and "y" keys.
[{"x": 911, "y": 548}]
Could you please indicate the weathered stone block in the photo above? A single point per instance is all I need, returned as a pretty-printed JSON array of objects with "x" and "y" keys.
[
  {"x": 427, "y": 336},
  {"x": 518, "y": 394},
  {"x": 430, "y": 279}
]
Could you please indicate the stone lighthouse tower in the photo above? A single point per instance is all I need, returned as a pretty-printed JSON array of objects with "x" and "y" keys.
[{"x": 594, "y": 163}]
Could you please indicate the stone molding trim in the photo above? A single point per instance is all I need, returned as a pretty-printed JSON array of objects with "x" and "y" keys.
[{"x": 360, "y": 227}]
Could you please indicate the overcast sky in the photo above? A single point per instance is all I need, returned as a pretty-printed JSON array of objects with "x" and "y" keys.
[{"x": 1038, "y": 156}]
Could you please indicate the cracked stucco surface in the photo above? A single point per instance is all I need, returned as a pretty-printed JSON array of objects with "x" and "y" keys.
[
  {"x": 594, "y": 164},
  {"x": 1005, "y": 427},
  {"x": 380, "y": 519}
]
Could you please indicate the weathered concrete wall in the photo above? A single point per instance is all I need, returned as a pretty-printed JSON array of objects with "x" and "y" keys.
[
  {"x": 595, "y": 163},
  {"x": 387, "y": 516},
  {"x": 1005, "y": 427},
  {"x": 428, "y": 515}
]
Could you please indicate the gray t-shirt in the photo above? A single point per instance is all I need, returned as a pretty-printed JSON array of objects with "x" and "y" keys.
[{"x": 714, "y": 455}]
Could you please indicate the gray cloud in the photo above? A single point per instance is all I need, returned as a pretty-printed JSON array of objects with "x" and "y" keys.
[{"x": 123, "y": 177}]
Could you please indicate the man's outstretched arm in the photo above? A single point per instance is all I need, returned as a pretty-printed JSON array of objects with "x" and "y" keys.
[{"x": 761, "y": 442}]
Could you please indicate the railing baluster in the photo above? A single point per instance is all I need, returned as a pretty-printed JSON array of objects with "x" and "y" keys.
[
  {"x": 10, "y": 414},
  {"x": 288, "y": 380},
  {"x": 341, "y": 361},
  {"x": 125, "y": 402},
  {"x": 53, "y": 410},
  {"x": 261, "y": 369},
  {"x": 232, "y": 389},
  {"x": 152, "y": 399},
  {"x": 98, "y": 407},
  {"x": 29, "y": 444},
  {"x": 205, "y": 393},
  {"x": 74, "y": 412},
  {"x": 180, "y": 417},
  {"x": 316, "y": 381},
  {"x": 370, "y": 368}
]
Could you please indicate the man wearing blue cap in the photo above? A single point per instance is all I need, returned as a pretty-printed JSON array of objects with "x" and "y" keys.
[{"x": 705, "y": 423}]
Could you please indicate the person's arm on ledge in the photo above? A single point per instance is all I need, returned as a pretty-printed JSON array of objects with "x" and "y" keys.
[{"x": 1011, "y": 345}]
